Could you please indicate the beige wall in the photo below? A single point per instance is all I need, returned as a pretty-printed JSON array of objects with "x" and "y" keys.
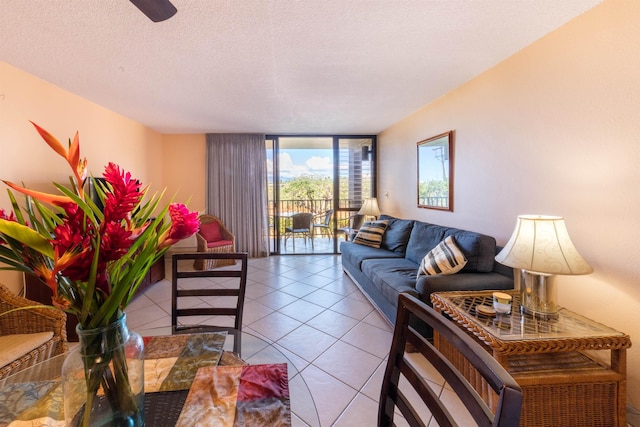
[
  {"x": 555, "y": 129},
  {"x": 184, "y": 172},
  {"x": 104, "y": 136}
]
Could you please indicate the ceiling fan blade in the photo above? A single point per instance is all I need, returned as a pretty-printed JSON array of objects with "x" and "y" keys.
[{"x": 156, "y": 10}]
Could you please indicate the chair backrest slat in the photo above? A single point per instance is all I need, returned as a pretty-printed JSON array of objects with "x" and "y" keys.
[
  {"x": 206, "y": 312},
  {"x": 208, "y": 273},
  {"x": 208, "y": 292},
  {"x": 505, "y": 407}
]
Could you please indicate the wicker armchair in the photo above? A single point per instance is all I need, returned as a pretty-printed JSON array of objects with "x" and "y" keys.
[
  {"x": 214, "y": 237},
  {"x": 29, "y": 321}
]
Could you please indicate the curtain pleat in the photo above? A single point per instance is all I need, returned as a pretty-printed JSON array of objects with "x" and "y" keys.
[{"x": 236, "y": 188}]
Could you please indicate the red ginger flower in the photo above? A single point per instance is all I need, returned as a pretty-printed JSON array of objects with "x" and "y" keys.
[
  {"x": 115, "y": 243},
  {"x": 124, "y": 197},
  {"x": 10, "y": 217},
  {"x": 183, "y": 224}
]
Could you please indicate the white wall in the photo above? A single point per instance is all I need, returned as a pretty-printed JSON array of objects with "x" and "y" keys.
[{"x": 555, "y": 129}]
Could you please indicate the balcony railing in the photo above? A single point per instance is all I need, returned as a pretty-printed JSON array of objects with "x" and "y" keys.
[{"x": 318, "y": 207}]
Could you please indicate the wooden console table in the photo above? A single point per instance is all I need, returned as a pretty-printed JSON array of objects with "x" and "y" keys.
[{"x": 557, "y": 362}]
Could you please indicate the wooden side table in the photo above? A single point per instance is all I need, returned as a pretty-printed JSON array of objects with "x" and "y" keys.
[{"x": 558, "y": 363}]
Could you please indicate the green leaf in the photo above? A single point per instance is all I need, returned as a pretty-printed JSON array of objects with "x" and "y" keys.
[{"x": 27, "y": 236}]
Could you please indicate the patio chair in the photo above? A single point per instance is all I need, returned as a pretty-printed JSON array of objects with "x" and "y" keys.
[
  {"x": 28, "y": 336},
  {"x": 401, "y": 375},
  {"x": 350, "y": 226},
  {"x": 325, "y": 226},
  {"x": 301, "y": 223},
  {"x": 213, "y": 237},
  {"x": 228, "y": 294}
]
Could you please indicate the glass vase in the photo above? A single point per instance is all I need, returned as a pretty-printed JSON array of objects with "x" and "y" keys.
[{"x": 103, "y": 378}]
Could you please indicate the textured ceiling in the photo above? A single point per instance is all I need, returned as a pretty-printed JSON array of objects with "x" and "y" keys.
[{"x": 273, "y": 66}]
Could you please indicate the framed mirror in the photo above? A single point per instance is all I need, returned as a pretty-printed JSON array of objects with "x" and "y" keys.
[{"x": 435, "y": 172}]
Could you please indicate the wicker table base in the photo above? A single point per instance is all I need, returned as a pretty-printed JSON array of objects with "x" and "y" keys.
[
  {"x": 559, "y": 389},
  {"x": 561, "y": 384}
]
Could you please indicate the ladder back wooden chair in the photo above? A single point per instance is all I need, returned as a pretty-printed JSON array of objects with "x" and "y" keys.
[
  {"x": 503, "y": 392},
  {"x": 220, "y": 301}
]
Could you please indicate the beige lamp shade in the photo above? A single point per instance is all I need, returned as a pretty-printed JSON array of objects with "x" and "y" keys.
[
  {"x": 541, "y": 244},
  {"x": 370, "y": 208}
]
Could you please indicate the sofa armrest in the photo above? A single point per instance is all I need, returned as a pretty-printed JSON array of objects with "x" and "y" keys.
[
  {"x": 201, "y": 243},
  {"x": 503, "y": 270},
  {"x": 426, "y": 285}
]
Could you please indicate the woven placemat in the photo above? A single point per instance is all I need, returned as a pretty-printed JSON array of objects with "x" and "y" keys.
[{"x": 162, "y": 409}]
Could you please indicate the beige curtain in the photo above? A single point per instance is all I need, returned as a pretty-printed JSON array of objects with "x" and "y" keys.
[{"x": 236, "y": 188}]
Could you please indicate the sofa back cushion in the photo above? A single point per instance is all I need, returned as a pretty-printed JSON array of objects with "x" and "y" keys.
[
  {"x": 397, "y": 235},
  {"x": 424, "y": 237},
  {"x": 479, "y": 249}
]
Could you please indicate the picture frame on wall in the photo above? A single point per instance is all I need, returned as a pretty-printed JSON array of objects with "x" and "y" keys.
[{"x": 435, "y": 172}]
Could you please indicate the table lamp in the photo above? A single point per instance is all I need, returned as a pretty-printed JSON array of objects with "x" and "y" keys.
[
  {"x": 540, "y": 248},
  {"x": 370, "y": 208}
]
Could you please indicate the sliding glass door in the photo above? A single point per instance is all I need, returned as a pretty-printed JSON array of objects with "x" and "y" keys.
[{"x": 315, "y": 184}]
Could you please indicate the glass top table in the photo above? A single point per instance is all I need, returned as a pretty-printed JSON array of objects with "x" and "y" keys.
[
  {"x": 518, "y": 333},
  {"x": 254, "y": 350}
]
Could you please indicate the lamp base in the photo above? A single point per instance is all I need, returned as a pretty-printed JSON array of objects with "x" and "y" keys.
[{"x": 538, "y": 295}]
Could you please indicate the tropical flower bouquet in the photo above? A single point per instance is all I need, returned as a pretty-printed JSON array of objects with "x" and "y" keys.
[{"x": 94, "y": 256}]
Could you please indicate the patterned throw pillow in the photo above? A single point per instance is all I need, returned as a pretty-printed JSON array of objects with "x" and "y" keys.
[
  {"x": 446, "y": 258},
  {"x": 370, "y": 234}
]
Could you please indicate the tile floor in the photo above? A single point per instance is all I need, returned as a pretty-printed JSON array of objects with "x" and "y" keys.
[{"x": 334, "y": 338}]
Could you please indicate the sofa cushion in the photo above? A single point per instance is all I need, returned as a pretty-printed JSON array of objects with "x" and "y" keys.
[
  {"x": 391, "y": 276},
  {"x": 370, "y": 233},
  {"x": 355, "y": 254},
  {"x": 423, "y": 238},
  {"x": 14, "y": 346},
  {"x": 210, "y": 231},
  {"x": 446, "y": 258},
  {"x": 479, "y": 249},
  {"x": 397, "y": 235}
]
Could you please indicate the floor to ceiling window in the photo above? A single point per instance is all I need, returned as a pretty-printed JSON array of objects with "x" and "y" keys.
[{"x": 315, "y": 185}]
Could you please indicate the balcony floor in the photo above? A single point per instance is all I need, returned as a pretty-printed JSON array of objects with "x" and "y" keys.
[{"x": 321, "y": 245}]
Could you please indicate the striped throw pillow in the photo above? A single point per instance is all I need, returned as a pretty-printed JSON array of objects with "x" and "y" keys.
[
  {"x": 446, "y": 258},
  {"x": 370, "y": 234}
]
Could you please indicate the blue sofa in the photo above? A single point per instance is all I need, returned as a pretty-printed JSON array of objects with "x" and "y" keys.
[{"x": 382, "y": 273}]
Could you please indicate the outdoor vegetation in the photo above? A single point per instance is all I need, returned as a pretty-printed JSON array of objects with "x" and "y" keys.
[{"x": 433, "y": 192}]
